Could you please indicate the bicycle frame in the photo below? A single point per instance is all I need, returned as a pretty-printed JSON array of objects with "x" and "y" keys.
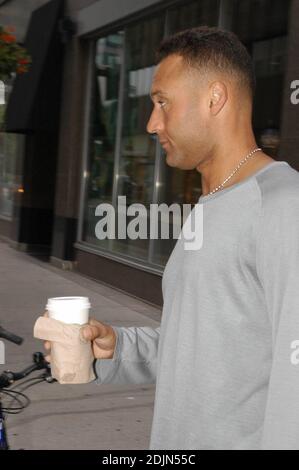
[
  {"x": 3, "y": 438},
  {"x": 8, "y": 378}
]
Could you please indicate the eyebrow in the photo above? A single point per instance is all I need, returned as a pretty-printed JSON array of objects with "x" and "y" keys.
[{"x": 157, "y": 92}]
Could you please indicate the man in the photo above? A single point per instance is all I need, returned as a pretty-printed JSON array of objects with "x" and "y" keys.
[{"x": 225, "y": 356}]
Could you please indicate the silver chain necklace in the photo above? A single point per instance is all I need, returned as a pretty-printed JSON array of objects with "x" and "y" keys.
[{"x": 235, "y": 170}]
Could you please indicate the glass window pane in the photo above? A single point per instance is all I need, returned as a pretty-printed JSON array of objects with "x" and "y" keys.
[
  {"x": 256, "y": 20},
  {"x": 126, "y": 161},
  {"x": 11, "y": 156},
  {"x": 192, "y": 14},
  {"x": 138, "y": 149},
  {"x": 102, "y": 130},
  {"x": 262, "y": 26},
  {"x": 178, "y": 186}
]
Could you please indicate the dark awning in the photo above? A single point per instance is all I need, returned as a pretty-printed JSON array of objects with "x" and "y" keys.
[{"x": 41, "y": 30}]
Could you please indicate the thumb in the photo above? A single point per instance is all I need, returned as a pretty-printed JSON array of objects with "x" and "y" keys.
[{"x": 92, "y": 331}]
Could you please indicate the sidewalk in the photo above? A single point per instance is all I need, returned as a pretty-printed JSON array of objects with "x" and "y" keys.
[{"x": 70, "y": 416}]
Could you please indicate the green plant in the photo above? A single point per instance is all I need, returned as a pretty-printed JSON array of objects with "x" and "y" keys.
[{"x": 13, "y": 57}]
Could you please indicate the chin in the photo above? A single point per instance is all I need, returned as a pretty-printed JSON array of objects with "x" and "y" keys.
[
  {"x": 174, "y": 162},
  {"x": 177, "y": 163},
  {"x": 171, "y": 163}
]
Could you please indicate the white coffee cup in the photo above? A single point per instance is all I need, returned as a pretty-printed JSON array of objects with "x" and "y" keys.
[{"x": 71, "y": 310}]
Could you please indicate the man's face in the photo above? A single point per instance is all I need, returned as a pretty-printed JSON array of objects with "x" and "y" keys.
[{"x": 180, "y": 116}]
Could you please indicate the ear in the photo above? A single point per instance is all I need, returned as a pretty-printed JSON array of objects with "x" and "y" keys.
[{"x": 217, "y": 97}]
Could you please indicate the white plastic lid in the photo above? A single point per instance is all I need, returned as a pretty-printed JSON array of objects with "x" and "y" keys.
[
  {"x": 73, "y": 302},
  {"x": 69, "y": 309}
]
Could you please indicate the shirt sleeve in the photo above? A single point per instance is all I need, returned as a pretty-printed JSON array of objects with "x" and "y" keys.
[
  {"x": 134, "y": 360},
  {"x": 278, "y": 255}
]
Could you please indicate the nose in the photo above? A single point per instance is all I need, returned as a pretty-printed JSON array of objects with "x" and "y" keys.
[{"x": 155, "y": 124}]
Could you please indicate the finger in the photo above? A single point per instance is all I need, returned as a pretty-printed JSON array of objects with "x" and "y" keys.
[
  {"x": 47, "y": 345},
  {"x": 46, "y": 313},
  {"x": 48, "y": 358},
  {"x": 92, "y": 331},
  {"x": 89, "y": 332}
]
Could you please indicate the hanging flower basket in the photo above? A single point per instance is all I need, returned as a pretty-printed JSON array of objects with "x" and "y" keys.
[{"x": 13, "y": 58}]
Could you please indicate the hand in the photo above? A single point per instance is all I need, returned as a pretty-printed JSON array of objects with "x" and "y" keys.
[{"x": 102, "y": 337}]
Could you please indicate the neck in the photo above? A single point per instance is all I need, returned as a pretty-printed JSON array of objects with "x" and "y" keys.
[{"x": 223, "y": 161}]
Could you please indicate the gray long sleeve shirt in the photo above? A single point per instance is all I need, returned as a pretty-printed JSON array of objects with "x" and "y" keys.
[{"x": 226, "y": 356}]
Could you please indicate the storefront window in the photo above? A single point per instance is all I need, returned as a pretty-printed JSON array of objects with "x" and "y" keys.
[
  {"x": 123, "y": 160},
  {"x": 177, "y": 186},
  {"x": 262, "y": 26},
  {"x": 99, "y": 173},
  {"x": 136, "y": 168},
  {"x": 191, "y": 14},
  {"x": 11, "y": 152}
]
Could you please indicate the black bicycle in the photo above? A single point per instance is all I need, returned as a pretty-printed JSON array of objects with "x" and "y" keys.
[{"x": 19, "y": 401}]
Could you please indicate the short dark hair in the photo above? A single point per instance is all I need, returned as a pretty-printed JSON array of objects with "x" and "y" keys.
[{"x": 211, "y": 47}]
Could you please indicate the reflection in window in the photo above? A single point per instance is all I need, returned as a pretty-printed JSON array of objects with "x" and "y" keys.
[
  {"x": 102, "y": 131},
  {"x": 138, "y": 149},
  {"x": 123, "y": 160},
  {"x": 262, "y": 26},
  {"x": 11, "y": 153},
  {"x": 177, "y": 186},
  {"x": 269, "y": 56},
  {"x": 192, "y": 14},
  {"x": 259, "y": 19}
]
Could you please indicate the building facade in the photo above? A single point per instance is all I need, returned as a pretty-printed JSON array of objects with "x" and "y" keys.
[{"x": 99, "y": 150}]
